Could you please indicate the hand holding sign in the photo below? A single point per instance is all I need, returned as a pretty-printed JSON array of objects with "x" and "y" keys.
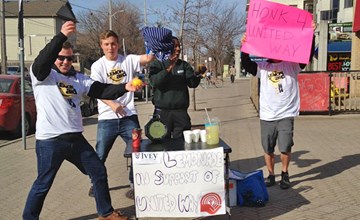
[{"x": 278, "y": 31}]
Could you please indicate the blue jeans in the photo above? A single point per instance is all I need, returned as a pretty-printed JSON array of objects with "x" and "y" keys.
[
  {"x": 109, "y": 130},
  {"x": 50, "y": 155}
]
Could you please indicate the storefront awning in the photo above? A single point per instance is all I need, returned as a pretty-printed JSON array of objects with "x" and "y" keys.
[
  {"x": 341, "y": 46},
  {"x": 336, "y": 47}
]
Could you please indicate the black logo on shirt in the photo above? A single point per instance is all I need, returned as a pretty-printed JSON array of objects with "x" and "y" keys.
[
  {"x": 275, "y": 77},
  {"x": 67, "y": 91},
  {"x": 116, "y": 75}
]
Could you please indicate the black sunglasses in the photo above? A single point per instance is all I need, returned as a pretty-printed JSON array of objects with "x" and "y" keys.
[{"x": 62, "y": 58}]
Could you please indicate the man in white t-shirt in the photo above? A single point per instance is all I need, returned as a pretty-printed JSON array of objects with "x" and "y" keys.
[
  {"x": 279, "y": 105},
  {"x": 116, "y": 117},
  {"x": 58, "y": 90}
]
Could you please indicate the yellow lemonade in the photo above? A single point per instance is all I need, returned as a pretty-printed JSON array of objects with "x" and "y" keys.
[{"x": 212, "y": 133}]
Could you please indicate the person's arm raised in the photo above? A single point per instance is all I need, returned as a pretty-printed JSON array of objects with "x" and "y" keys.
[
  {"x": 249, "y": 66},
  {"x": 312, "y": 52},
  {"x": 47, "y": 56}
]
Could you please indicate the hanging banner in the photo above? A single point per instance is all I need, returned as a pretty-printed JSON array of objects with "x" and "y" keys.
[
  {"x": 356, "y": 26},
  {"x": 278, "y": 31},
  {"x": 179, "y": 183}
]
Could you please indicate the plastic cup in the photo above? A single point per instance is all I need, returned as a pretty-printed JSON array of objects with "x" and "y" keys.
[
  {"x": 203, "y": 135},
  {"x": 212, "y": 131},
  {"x": 196, "y": 135},
  {"x": 188, "y": 136}
]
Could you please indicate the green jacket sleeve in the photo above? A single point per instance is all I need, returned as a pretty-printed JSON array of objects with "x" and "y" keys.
[{"x": 191, "y": 79}]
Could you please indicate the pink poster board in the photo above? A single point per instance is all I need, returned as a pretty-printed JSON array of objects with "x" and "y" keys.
[{"x": 278, "y": 31}]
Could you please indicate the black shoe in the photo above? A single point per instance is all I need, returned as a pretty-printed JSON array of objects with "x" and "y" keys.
[
  {"x": 285, "y": 182},
  {"x": 130, "y": 194},
  {"x": 270, "y": 181},
  {"x": 91, "y": 192}
]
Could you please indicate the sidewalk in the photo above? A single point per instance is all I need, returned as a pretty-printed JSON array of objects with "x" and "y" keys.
[{"x": 324, "y": 170}]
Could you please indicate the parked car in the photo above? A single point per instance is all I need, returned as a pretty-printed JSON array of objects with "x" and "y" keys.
[
  {"x": 88, "y": 106},
  {"x": 141, "y": 94},
  {"x": 10, "y": 105},
  {"x": 15, "y": 70}
]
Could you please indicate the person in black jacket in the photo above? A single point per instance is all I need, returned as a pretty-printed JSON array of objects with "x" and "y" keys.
[
  {"x": 171, "y": 79},
  {"x": 58, "y": 90}
]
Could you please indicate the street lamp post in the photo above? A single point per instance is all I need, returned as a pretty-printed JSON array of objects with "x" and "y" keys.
[
  {"x": 110, "y": 18},
  {"x": 110, "y": 22},
  {"x": 3, "y": 39},
  {"x": 112, "y": 14},
  {"x": 210, "y": 59}
]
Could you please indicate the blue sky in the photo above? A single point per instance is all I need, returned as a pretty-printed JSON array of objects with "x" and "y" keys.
[{"x": 81, "y": 5}]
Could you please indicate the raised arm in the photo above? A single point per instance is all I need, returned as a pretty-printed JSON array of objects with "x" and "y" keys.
[
  {"x": 303, "y": 65},
  {"x": 47, "y": 56},
  {"x": 249, "y": 66}
]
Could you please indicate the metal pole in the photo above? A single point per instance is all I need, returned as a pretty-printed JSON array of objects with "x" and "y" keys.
[
  {"x": 22, "y": 93},
  {"x": 146, "y": 73},
  {"x": 145, "y": 16},
  {"x": 323, "y": 44},
  {"x": 110, "y": 15},
  {"x": 3, "y": 39},
  {"x": 124, "y": 49},
  {"x": 21, "y": 46}
]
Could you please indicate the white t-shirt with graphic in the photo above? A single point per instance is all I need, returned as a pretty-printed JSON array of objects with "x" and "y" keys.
[
  {"x": 58, "y": 98},
  {"x": 279, "y": 90},
  {"x": 115, "y": 72}
]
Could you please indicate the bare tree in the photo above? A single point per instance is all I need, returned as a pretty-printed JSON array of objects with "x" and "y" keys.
[
  {"x": 223, "y": 27},
  {"x": 192, "y": 33},
  {"x": 187, "y": 21},
  {"x": 126, "y": 20},
  {"x": 207, "y": 28},
  {"x": 194, "y": 27}
]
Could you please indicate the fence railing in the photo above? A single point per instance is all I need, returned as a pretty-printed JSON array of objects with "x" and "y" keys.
[
  {"x": 344, "y": 91},
  {"x": 332, "y": 92}
]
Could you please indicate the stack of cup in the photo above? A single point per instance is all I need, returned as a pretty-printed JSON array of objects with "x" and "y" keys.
[
  {"x": 203, "y": 135},
  {"x": 194, "y": 136},
  {"x": 188, "y": 136}
]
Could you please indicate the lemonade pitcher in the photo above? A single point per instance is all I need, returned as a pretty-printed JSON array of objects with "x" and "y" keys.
[{"x": 212, "y": 131}]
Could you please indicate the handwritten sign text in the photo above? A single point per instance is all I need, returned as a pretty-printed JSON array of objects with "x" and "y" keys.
[
  {"x": 179, "y": 183},
  {"x": 278, "y": 31}
]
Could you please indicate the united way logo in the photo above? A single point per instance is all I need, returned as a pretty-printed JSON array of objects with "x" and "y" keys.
[{"x": 210, "y": 203}]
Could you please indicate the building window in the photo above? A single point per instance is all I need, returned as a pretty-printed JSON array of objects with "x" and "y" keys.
[
  {"x": 348, "y": 3},
  {"x": 335, "y": 4},
  {"x": 309, "y": 6},
  {"x": 334, "y": 9}
]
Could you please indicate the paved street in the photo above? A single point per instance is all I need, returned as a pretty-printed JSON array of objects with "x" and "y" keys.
[{"x": 324, "y": 170}]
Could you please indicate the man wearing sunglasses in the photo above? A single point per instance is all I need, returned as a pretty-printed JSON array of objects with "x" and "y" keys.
[
  {"x": 58, "y": 89},
  {"x": 68, "y": 58}
]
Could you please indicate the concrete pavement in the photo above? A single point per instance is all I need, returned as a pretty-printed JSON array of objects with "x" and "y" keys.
[{"x": 324, "y": 170}]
